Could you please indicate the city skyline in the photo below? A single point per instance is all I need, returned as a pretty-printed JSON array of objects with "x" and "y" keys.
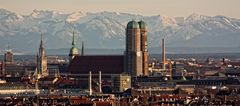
[
  {"x": 134, "y": 53},
  {"x": 172, "y": 8}
]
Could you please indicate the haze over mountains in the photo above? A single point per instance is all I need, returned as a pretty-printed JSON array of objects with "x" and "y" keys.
[{"x": 106, "y": 30}]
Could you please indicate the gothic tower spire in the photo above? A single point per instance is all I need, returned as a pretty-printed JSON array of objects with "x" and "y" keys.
[
  {"x": 41, "y": 42},
  {"x": 42, "y": 59},
  {"x": 73, "y": 40},
  {"x": 74, "y": 50}
]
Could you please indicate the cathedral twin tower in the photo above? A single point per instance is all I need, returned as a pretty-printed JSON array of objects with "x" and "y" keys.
[{"x": 136, "y": 53}]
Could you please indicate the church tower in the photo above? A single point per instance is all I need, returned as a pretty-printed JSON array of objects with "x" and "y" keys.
[
  {"x": 8, "y": 56},
  {"x": 133, "y": 53},
  {"x": 42, "y": 58},
  {"x": 73, "y": 51},
  {"x": 144, "y": 47}
]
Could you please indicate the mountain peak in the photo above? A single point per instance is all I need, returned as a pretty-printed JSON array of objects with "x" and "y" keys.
[
  {"x": 35, "y": 13},
  {"x": 75, "y": 16},
  {"x": 45, "y": 13},
  {"x": 195, "y": 17},
  {"x": 2, "y": 10},
  {"x": 4, "y": 13},
  {"x": 168, "y": 21},
  {"x": 221, "y": 17}
]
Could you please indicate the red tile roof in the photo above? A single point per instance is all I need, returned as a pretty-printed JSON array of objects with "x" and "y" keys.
[{"x": 113, "y": 64}]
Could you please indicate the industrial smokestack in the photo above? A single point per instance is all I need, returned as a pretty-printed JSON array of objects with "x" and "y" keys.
[
  {"x": 163, "y": 55},
  {"x": 100, "y": 81},
  {"x": 90, "y": 83}
]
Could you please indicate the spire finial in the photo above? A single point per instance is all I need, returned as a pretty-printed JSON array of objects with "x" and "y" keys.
[
  {"x": 41, "y": 36},
  {"x": 41, "y": 42},
  {"x": 82, "y": 48},
  {"x": 73, "y": 40}
]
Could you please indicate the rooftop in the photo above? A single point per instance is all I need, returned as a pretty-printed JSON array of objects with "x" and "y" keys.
[{"x": 106, "y": 64}]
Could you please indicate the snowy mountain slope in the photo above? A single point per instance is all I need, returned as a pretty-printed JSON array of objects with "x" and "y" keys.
[{"x": 107, "y": 30}]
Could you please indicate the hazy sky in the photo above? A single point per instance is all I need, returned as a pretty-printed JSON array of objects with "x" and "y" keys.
[{"x": 145, "y": 7}]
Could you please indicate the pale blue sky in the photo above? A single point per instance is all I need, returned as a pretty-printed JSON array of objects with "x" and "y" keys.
[{"x": 171, "y": 8}]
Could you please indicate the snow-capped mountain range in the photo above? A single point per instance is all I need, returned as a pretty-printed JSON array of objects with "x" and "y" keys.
[{"x": 107, "y": 30}]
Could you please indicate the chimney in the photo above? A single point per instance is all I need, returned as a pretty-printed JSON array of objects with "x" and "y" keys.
[
  {"x": 163, "y": 55},
  {"x": 100, "y": 81},
  {"x": 90, "y": 83}
]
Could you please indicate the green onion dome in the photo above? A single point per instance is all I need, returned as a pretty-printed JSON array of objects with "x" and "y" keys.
[
  {"x": 132, "y": 24},
  {"x": 142, "y": 25},
  {"x": 73, "y": 51}
]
